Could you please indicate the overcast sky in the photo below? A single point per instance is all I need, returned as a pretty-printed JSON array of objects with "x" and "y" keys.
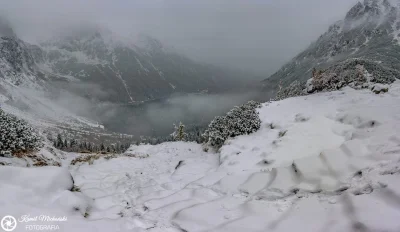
[{"x": 256, "y": 35}]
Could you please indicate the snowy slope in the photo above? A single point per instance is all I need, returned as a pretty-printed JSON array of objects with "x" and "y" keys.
[
  {"x": 322, "y": 162},
  {"x": 369, "y": 32}
]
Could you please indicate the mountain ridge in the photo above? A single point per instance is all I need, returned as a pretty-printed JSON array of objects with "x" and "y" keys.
[{"x": 369, "y": 32}]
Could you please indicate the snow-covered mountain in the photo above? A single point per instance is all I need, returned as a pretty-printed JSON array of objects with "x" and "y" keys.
[
  {"x": 24, "y": 85},
  {"x": 369, "y": 32},
  {"x": 130, "y": 70},
  {"x": 17, "y": 64}
]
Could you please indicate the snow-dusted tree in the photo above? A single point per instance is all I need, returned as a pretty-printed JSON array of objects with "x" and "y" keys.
[
  {"x": 179, "y": 133},
  {"x": 217, "y": 132},
  {"x": 60, "y": 142},
  {"x": 240, "y": 120},
  {"x": 73, "y": 143},
  {"x": 17, "y": 135},
  {"x": 73, "y": 146}
]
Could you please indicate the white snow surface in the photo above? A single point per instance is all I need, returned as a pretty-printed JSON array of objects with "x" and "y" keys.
[{"x": 323, "y": 162}]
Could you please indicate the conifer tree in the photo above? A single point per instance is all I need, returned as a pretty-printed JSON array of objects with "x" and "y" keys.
[
  {"x": 179, "y": 133},
  {"x": 59, "y": 141}
]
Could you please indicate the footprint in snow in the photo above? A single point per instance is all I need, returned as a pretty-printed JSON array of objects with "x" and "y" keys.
[
  {"x": 265, "y": 162},
  {"x": 301, "y": 118},
  {"x": 368, "y": 188},
  {"x": 368, "y": 124}
]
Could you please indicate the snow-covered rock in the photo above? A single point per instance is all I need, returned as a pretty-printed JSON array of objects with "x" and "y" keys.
[{"x": 379, "y": 88}]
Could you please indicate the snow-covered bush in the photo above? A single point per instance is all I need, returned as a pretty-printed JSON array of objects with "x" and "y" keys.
[
  {"x": 240, "y": 120},
  {"x": 293, "y": 90},
  {"x": 17, "y": 135},
  {"x": 217, "y": 132},
  {"x": 356, "y": 73}
]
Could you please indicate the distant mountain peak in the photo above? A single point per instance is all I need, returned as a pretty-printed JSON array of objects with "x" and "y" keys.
[
  {"x": 92, "y": 37},
  {"x": 368, "y": 9}
]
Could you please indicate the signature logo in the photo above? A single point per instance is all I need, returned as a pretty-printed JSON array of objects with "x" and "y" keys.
[{"x": 8, "y": 223}]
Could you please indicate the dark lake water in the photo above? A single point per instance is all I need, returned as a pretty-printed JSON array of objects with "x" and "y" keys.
[{"x": 156, "y": 118}]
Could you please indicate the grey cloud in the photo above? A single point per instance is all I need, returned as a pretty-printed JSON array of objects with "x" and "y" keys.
[{"x": 254, "y": 35}]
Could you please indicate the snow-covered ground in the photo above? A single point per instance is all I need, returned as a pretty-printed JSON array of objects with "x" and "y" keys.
[{"x": 323, "y": 162}]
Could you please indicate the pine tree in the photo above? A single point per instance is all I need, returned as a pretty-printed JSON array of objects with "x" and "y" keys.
[
  {"x": 179, "y": 133},
  {"x": 117, "y": 148},
  {"x": 73, "y": 144},
  {"x": 59, "y": 141}
]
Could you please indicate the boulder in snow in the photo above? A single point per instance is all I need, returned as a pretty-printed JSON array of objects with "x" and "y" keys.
[{"x": 379, "y": 88}]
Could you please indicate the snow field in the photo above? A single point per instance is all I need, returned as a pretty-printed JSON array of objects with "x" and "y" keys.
[{"x": 323, "y": 162}]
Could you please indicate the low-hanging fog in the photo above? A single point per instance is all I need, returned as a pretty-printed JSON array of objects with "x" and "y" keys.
[{"x": 153, "y": 118}]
